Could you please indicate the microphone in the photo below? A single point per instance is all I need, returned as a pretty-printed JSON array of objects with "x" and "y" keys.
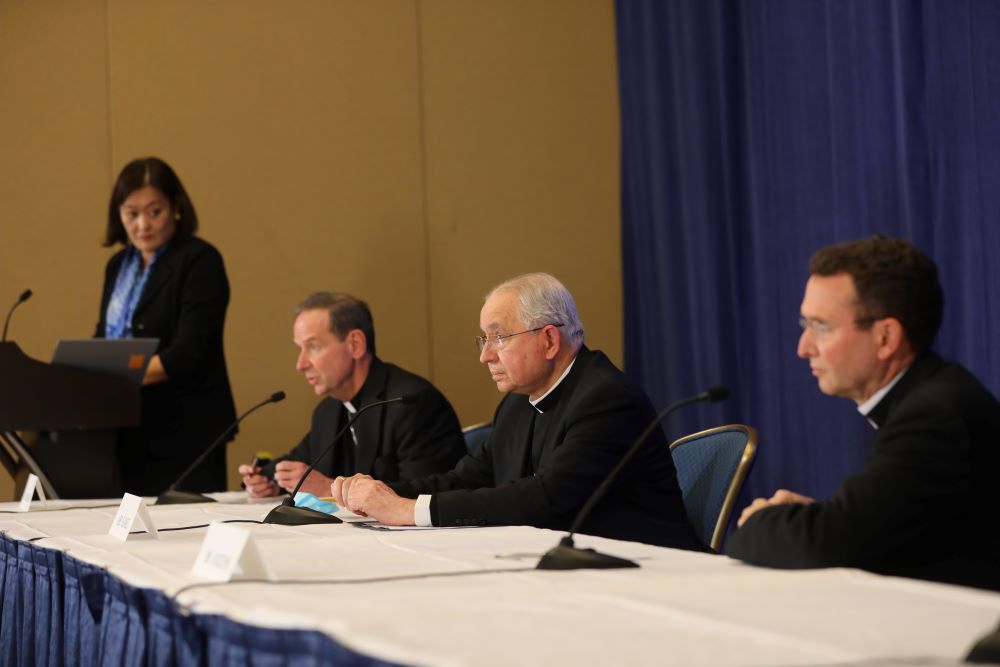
[
  {"x": 287, "y": 514},
  {"x": 565, "y": 556},
  {"x": 172, "y": 496},
  {"x": 25, "y": 295}
]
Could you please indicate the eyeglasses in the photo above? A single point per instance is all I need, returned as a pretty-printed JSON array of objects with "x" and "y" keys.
[
  {"x": 497, "y": 340},
  {"x": 821, "y": 329}
]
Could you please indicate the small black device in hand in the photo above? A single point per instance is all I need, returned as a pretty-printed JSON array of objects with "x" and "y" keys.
[{"x": 260, "y": 460}]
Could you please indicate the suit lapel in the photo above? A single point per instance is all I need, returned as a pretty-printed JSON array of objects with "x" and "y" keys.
[
  {"x": 330, "y": 424},
  {"x": 924, "y": 365},
  {"x": 526, "y": 429},
  {"x": 553, "y": 406},
  {"x": 369, "y": 427},
  {"x": 160, "y": 277}
]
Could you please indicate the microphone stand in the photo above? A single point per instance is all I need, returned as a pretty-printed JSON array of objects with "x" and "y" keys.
[
  {"x": 25, "y": 295},
  {"x": 174, "y": 496},
  {"x": 287, "y": 514},
  {"x": 567, "y": 556}
]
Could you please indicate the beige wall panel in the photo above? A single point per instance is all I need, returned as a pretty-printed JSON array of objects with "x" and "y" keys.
[
  {"x": 53, "y": 169},
  {"x": 412, "y": 152},
  {"x": 53, "y": 166},
  {"x": 294, "y": 126},
  {"x": 521, "y": 130}
]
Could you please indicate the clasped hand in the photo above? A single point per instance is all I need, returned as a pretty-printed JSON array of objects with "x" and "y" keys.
[{"x": 366, "y": 496}]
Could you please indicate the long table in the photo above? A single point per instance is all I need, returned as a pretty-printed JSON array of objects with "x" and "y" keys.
[{"x": 351, "y": 595}]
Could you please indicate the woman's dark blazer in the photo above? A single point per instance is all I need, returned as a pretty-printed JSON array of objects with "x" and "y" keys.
[{"x": 184, "y": 305}]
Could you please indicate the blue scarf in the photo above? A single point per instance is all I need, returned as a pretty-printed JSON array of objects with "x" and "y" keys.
[{"x": 129, "y": 284}]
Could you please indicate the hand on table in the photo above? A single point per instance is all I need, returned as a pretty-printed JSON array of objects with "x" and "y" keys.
[
  {"x": 369, "y": 497},
  {"x": 780, "y": 497}
]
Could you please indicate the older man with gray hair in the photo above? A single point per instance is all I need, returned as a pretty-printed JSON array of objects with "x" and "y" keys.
[{"x": 567, "y": 418}]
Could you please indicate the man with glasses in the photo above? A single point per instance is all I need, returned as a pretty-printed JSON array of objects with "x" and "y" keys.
[
  {"x": 567, "y": 418},
  {"x": 335, "y": 335},
  {"x": 924, "y": 505}
]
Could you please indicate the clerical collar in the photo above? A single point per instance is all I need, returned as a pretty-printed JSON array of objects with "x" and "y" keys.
[
  {"x": 361, "y": 397},
  {"x": 534, "y": 403},
  {"x": 869, "y": 405}
]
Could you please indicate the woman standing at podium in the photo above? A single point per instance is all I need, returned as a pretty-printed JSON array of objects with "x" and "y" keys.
[{"x": 168, "y": 284}]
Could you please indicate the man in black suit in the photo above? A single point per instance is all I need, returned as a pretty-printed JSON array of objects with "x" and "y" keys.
[
  {"x": 567, "y": 418},
  {"x": 336, "y": 338},
  {"x": 924, "y": 505}
]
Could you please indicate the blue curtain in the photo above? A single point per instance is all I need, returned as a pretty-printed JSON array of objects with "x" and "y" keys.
[{"x": 756, "y": 131}]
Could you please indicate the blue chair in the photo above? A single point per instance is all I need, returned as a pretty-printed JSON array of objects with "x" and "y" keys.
[
  {"x": 476, "y": 435},
  {"x": 711, "y": 467}
]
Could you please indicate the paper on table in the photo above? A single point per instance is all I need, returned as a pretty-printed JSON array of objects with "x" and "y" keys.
[{"x": 375, "y": 525}]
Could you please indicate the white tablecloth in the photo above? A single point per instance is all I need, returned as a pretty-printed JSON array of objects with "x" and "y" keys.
[{"x": 678, "y": 608}]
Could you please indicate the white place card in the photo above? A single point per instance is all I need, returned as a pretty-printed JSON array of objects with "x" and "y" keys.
[
  {"x": 132, "y": 508},
  {"x": 229, "y": 553},
  {"x": 29, "y": 494}
]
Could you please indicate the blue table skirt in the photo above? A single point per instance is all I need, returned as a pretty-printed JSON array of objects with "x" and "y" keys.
[{"x": 57, "y": 610}]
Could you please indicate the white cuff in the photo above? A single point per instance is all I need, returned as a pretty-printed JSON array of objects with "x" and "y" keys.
[{"x": 422, "y": 511}]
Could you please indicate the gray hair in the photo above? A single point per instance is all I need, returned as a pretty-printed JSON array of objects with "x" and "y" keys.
[
  {"x": 542, "y": 300},
  {"x": 346, "y": 314}
]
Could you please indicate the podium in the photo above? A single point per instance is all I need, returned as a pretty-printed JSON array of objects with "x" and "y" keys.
[{"x": 82, "y": 408}]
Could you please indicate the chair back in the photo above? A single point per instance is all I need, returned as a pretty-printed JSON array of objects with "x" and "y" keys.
[
  {"x": 711, "y": 467},
  {"x": 475, "y": 435}
]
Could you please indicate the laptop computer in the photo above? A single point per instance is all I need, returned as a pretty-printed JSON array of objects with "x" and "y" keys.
[{"x": 124, "y": 358}]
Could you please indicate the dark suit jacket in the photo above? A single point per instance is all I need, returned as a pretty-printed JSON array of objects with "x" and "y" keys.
[
  {"x": 925, "y": 503},
  {"x": 184, "y": 305},
  {"x": 539, "y": 469},
  {"x": 395, "y": 441}
]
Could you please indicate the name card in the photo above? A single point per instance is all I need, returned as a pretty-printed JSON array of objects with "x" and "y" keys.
[
  {"x": 29, "y": 494},
  {"x": 229, "y": 553},
  {"x": 132, "y": 508}
]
